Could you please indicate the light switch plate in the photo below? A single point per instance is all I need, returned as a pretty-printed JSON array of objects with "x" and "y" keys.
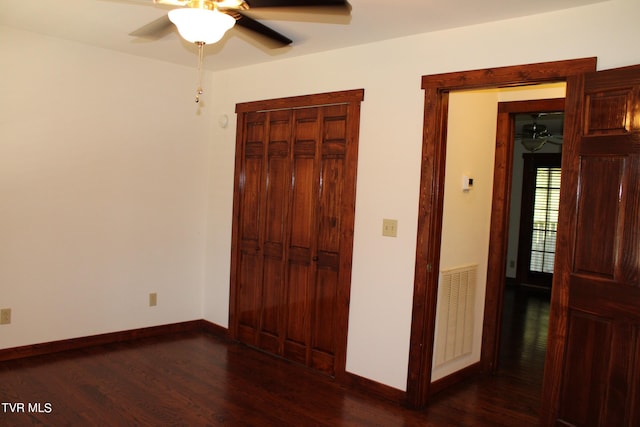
[
  {"x": 5, "y": 316},
  {"x": 390, "y": 227}
]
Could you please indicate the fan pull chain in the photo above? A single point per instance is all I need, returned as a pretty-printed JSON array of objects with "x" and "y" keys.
[{"x": 199, "y": 91}]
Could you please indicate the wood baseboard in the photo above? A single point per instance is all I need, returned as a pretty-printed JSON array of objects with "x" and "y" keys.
[
  {"x": 214, "y": 329},
  {"x": 109, "y": 338},
  {"x": 374, "y": 388},
  {"x": 454, "y": 378}
]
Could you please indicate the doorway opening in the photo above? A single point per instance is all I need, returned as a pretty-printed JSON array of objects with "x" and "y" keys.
[
  {"x": 430, "y": 216},
  {"x": 475, "y": 119},
  {"x": 535, "y": 196},
  {"x": 533, "y": 218}
]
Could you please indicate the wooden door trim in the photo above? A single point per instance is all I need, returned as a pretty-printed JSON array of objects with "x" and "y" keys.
[
  {"x": 436, "y": 91},
  {"x": 498, "y": 242},
  {"x": 316, "y": 100}
]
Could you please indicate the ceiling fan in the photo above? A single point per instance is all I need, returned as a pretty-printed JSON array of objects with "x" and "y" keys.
[
  {"x": 205, "y": 22},
  {"x": 189, "y": 17},
  {"x": 534, "y": 136}
]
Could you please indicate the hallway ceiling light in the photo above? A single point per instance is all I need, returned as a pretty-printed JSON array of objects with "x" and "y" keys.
[{"x": 534, "y": 135}]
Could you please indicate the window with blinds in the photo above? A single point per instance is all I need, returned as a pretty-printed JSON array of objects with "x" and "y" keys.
[{"x": 545, "y": 219}]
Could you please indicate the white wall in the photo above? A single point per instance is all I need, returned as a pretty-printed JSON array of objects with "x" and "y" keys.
[
  {"x": 390, "y": 149},
  {"x": 102, "y": 190}
]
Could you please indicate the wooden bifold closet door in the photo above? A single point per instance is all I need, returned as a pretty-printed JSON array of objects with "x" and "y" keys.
[{"x": 293, "y": 220}]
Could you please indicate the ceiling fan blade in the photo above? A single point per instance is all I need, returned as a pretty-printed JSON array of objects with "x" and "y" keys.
[
  {"x": 251, "y": 24},
  {"x": 171, "y": 2},
  {"x": 555, "y": 139},
  {"x": 154, "y": 29},
  {"x": 295, "y": 3}
]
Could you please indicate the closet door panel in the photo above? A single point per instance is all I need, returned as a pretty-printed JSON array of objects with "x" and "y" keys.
[
  {"x": 275, "y": 211},
  {"x": 249, "y": 289},
  {"x": 324, "y": 320},
  {"x": 302, "y": 233},
  {"x": 329, "y": 236},
  {"x": 297, "y": 319},
  {"x": 249, "y": 297}
]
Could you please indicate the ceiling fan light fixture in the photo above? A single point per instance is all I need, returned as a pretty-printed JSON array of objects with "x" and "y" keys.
[{"x": 201, "y": 25}]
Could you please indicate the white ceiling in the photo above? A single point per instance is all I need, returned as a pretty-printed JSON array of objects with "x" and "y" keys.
[{"x": 107, "y": 23}]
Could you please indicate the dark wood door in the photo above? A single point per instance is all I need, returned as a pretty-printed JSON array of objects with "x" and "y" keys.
[
  {"x": 592, "y": 375},
  {"x": 293, "y": 227}
]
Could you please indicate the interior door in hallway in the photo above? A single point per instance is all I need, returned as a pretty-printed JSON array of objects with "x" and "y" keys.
[
  {"x": 294, "y": 208},
  {"x": 592, "y": 375}
]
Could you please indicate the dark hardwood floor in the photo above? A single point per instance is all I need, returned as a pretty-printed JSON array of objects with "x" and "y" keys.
[{"x": 196, "y": 379}]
